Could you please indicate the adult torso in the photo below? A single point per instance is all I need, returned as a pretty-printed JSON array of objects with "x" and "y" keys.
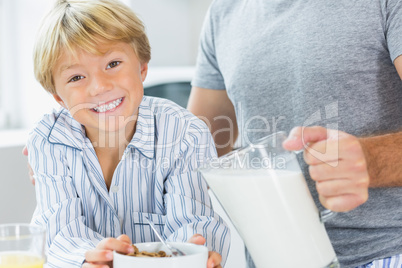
[{"x": 289, "y": 63}]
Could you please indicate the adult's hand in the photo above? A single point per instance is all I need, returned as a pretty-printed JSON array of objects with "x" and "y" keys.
[
  {"x": 30, "y": 171},
  {"x": 214, "y": 258},
  {"x": 336, "y": 163},
  {"x": 102, "y": 255}
]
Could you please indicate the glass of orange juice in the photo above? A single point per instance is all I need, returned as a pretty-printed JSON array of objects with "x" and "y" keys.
[{"x": 22, "y": 246}]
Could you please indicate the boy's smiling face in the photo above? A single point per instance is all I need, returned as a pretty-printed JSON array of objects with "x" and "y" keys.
[{"x": 102, "y": 92}]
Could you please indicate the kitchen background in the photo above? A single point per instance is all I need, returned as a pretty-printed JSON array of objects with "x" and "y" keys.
[{"x": 173, "y": 27}]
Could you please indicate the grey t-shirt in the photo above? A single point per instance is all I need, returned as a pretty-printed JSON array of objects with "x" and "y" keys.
[{"x": 287, "y": 63}]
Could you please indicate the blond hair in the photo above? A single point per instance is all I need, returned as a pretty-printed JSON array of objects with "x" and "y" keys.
[{"x": 84, "y": 24}]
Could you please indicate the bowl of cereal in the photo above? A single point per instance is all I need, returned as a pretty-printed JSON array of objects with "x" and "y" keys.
[{"x": 156, "y": 255}]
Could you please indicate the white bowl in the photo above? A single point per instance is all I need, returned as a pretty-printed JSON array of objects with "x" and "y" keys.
[{"x": 196, "y": 257}]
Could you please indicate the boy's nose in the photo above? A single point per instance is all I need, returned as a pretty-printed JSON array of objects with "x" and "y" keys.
[{"x": 100, "y": 83}]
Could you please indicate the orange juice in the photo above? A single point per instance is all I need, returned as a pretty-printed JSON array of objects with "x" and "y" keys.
[{"x": 19, "y": 259}]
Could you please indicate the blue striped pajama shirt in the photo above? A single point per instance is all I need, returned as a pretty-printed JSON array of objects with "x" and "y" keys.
[
  {"x": 390, "y": 262},
  {"x": 156, "y": 177}
]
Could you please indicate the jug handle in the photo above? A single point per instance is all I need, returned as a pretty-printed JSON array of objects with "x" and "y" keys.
[{"x": 326, "y": 215}]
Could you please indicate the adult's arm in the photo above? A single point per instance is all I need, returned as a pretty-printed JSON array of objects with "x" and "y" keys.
[
  {"x": 216, "y": 110},
  {"x": 398, "y": 65},
  {"x": 384, "y": 159},
  {"x": 384, "y": 153}
]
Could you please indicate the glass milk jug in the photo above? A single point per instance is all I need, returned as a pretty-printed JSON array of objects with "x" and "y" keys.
[{"x": 263, "y": 191}]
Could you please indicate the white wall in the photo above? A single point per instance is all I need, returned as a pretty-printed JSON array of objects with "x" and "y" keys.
[
  {"x": 23, "y": 93},
  {"x": 173, "y": 27}
]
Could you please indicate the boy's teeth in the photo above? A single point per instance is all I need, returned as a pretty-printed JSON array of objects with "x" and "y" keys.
[{"x": 109, "y": 106}]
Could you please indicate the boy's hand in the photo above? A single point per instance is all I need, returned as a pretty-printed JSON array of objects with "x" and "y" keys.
[
  {"x": 102, "y": 255},
  {"x": 214, "y": 258}
]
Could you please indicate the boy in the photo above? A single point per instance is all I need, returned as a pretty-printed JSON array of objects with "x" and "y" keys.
[{"x": 112, "y": 157}]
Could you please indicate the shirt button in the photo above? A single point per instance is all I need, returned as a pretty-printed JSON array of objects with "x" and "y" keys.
[{"x": 114, "y": 189}]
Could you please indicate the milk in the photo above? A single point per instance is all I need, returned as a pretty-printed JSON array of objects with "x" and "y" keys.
[{"x": 275, "y": 215}]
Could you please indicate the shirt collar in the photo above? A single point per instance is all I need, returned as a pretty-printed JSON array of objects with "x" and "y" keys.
[
  {"x": 144, "y": 136},
  {"x": 67, "y": 131}
]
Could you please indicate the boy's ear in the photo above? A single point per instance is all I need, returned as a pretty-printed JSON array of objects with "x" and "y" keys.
[
  {"x": 59, "y": 100},
  {"x": 144, "y": 70}
]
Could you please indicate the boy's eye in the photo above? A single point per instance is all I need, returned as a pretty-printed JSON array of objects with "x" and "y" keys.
[
  {"x": 113, "y": 64},
  {"x": 76, "y": 78}
]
